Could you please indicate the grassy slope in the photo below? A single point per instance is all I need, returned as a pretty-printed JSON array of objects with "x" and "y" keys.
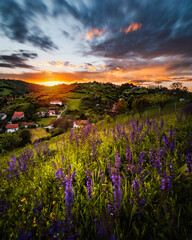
[
  {"x": 44, "y": 122},
  {"x": 38, "y": 133}
]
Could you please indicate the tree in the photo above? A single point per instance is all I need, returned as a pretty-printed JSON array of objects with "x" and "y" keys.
[
  {"x": 140, "y": 104},
  {"x": 25, "y": 137},
  {"x": 160, "y": 99},
  {"x": 177, "y": 87},
  {"x": 10, "y": 141}
]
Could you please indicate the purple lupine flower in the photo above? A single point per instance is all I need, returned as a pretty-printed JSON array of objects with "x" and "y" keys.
[
  {"x": 89, "y": 184},
  {"x": 136, "y": 197},
  {"x": 116, "y": 181},
  {"x": 117, "y": 161},
  {"x": 166, "y": 141},
  {"x": 60, "y": 177},
  {"x": 57, "y": 228},
  {"x": 165, "y": 183},
  {"x": 162, "y": 124},
  {"x": 12, "y": 171},
  {"x": 68, "y": 196},
  {"x": 128, "y": 155},
  {"x": 102, "y": 176},
  {"x": 104, "y": 131},
  {"x": 189, "y": 162}
]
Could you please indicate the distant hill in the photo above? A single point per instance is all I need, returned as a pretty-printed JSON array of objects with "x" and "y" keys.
[{"x": 15, "y": 87}]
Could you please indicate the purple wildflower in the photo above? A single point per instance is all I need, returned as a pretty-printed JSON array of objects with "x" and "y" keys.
[
  {"x": 128, "y": 155},
  {"x": 89, "y": 183},
  {"x": 116, "y": 180},
  {"x": 189, "y": 162}
]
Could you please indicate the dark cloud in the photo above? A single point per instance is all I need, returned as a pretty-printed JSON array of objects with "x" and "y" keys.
[
  {"x": 17, "y": 60},
  {"x": 18, "y": 22},
  {"x": 166, "y": 26}
]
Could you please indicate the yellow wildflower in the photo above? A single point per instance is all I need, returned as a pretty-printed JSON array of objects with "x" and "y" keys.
[
  {"x": 54, "y": 202},
  {"x": 22, "y": 200}
]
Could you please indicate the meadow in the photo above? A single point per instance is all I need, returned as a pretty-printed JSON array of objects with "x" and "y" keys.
[{"x": 121, "y": 181}]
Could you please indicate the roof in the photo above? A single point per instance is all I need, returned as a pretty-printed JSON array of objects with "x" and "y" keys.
[
  {"x": 18, "y": 114},
  {"x": 26, "y": 123},
  {"x": 56, "y": 101},
  {"x": 12, "y": 126},
  {"x": 2, "y": 114},
  {"x": 52, "y": 110}
]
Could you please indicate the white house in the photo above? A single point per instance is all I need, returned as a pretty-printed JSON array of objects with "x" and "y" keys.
[
  {"x": 56, "y": 102},
  {"x": 12, "y": 127},
  {"x": 79, "y": 123}
]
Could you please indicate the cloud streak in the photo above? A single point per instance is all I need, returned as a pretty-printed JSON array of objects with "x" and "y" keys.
[{"x": 17, "y": 60}]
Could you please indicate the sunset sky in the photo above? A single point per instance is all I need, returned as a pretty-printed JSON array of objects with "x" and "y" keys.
[{"x": 145, "y": 42}]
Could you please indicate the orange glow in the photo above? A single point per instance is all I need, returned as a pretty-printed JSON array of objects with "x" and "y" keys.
[
  {"x": 59, "y": 64},
  {"x": 132, "y": 27},
  {"x": 95, "y": 31},
  {"x": 92, "y": 68},
  {"x": 51, "y": 83},
  {"x": 102, "y": 66}
]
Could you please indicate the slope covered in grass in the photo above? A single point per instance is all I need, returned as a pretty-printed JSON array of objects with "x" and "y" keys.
[{"x": 130, "y": 181}]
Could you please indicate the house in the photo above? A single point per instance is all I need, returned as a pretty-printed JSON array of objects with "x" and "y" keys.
[
  {"x": 18, "y": 115},
  {"x": 29, "y": 125},
  {"x": 79, "y": 123},
  {"x": 56, "y": 102},
  {"x": 12, "y": 127},
  {"x": 52, "y": 112},
  {"x": 3, "y": 116},
  {"x": 40, "y": 114}
]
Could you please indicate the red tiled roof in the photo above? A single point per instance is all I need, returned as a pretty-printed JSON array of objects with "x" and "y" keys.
[
  {"x": 12, "y": 126},
  {"x": 56, "y": 101},
  {"x": 18, "y": 114},
  {"x": 51, "y": 111},
  {"x": 26, "y": 123}
]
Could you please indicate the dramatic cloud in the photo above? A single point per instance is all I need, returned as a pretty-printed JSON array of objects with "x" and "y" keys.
[
  {"x": 132, "y": 27},
  {"x": 16, "y": 22},
  {"x": 95, "y": 32},
  {"x": 17, "y": 60}
]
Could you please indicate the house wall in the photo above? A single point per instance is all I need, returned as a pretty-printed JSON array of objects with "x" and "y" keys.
[{"x": 12, "y": 130}]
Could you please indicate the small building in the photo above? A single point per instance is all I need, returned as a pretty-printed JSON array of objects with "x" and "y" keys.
[
  {"x": 79, "y": 123},
  {"x": 182, "y": 99},
  {"x": 3, "y": 116},
  {"x": 52, "y": 112},
  {"x": 29, "y": 125},
  {"x": 12, "y": 127},
  {"x": 18, "y": 115},
  {"x": 40, "y": 114},
  {"x": 56, "y": 102}
]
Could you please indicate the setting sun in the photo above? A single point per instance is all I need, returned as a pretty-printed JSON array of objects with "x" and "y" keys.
[{"x": 51, "y": 83}]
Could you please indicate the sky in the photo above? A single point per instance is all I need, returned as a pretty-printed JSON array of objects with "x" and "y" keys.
[{"x": 146, "y": 42}]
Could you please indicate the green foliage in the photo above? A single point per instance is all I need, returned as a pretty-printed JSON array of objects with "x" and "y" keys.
[
  {"x": 25, "y": 136},
  {"x": 140, "y": 104},
  {"x": 10, "y": 141}
]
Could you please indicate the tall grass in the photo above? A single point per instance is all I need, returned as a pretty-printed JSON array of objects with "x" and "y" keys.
[{"x": 130, "y": 181}]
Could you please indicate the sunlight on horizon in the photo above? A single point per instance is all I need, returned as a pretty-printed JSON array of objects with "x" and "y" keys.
[{"x": 51, "y": 83}]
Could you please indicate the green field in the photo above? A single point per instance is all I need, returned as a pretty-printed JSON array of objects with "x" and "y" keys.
[
  {"x": 38, "y": 133},
  {"x": 44, "y": 122}
]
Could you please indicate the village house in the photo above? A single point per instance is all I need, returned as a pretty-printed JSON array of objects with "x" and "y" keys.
[
  {"x": 56, "y": 102},
  {"x": 12, "y": 127},
  {"x": 52, "y": 112},
  {"x": 29, "y": 125},
  {"x": 18, "y": 115},
  {"x": 79, "y": 123}
]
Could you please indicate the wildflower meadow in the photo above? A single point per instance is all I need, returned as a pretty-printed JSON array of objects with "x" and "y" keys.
[{"x": 126, "y": 181}]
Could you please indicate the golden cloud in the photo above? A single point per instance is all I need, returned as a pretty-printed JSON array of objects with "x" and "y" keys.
[
  {"x": 94, "y": 32},
  {"x": 132, "y": 27}
]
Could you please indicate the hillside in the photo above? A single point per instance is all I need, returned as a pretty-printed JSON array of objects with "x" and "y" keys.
[
  {"x": 100, "y": 182},
  {"x": 16, "y": 87}
]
